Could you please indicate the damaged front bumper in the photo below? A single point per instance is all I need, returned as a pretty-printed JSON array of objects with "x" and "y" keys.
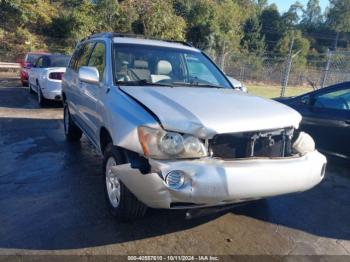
[{"x": 211, "y": 182}]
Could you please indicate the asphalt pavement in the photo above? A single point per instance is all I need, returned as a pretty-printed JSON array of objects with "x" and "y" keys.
[{"x": 52, "y": 202}]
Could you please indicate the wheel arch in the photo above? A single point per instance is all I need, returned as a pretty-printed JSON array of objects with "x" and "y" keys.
[
  {"x": 129, "y": 156},
  {"x": 105, "y": 138}
]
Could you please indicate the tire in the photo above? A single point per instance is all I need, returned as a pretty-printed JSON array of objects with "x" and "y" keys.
[
  {"x": 122, "y": 204},
  {"x": 31, "y": 91},
  {"x": 41, "y": 99},
  {"x": 71, "y": 130}
]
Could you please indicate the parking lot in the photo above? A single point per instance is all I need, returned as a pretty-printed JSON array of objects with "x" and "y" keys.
[{"x": 52, "y": 202}]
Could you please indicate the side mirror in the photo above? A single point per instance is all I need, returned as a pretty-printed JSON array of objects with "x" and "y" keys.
[
  {"x": 237, "y": 84},
  {"x": 306, "y": 100},
  {"x": 89, "y": 74}
]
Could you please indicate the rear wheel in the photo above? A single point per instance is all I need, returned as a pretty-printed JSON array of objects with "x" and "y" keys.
[
  {"x": 41, "y": 98},
  {"x": 71, "y": 130},
  {"x": 122, "y": 203}
]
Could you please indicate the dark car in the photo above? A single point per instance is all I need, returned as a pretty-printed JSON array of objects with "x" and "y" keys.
[
  {"x": 326, "y": 116},
  {"x": 26, "y": 63}
]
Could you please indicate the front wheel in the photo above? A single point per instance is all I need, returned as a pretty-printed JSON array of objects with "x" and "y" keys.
[
  {"x": 71, "y": 130},
  {"x": 122, "y": 203}
]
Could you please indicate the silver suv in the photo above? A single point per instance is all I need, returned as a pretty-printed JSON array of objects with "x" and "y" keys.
[{"x": 175, "y": 133}]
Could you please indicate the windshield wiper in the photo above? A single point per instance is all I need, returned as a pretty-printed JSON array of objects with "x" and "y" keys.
[
  {"x": 142, "y": 82},
  {"x": 196, "y": 84}
]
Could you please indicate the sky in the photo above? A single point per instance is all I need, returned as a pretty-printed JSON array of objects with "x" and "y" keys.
[{"x": 283, "y": 5}]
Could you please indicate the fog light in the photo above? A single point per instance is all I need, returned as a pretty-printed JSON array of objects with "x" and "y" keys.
[
  {"x": 304, "y": 143},
  {"x": 175, "y": 179}
]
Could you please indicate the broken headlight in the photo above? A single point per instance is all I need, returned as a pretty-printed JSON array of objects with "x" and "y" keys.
[
  {"x": 160, "y": 144},
  {"x": 304, "y": 143}
]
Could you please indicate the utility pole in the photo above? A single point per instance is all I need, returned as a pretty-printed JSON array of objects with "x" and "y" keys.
[
  {"x": 288, "y": 68},
  {"x": 336, "y": 41},
  {"x": 329, "y": 59}
]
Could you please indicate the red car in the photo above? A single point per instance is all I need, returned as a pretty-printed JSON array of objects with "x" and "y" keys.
[{"x": 26, "y": 63}]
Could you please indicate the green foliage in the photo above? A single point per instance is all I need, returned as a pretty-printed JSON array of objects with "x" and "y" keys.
[
  {"x": 312, "y": 16},
  {"x": 291, "y": 17},
  {"x": 31, "y": 14},
  {"x": 156, "y": 18},
  {"x": 220, "y": 27},
  {"x": 273, "y": 26},
  {"x": 107, "y": 15},
  {"x": 339, "y": 15},
  {"x": 201, "y": 23},
  {"x": 301, "y": 46},
  {"x": 253, "y": 41},
  {"x": 228, "y": 34}
]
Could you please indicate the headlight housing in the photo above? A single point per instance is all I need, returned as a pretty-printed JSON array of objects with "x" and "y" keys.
[
  {"x": 304, "y": 143},
  {"x": 160, "y": 144}
]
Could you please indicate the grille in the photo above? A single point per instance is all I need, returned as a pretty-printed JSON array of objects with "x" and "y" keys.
[{"x": 271, "y": 143}]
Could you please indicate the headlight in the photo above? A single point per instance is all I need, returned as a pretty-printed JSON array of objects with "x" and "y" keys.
[
  {"x": 171, "y": 143},
  {"x": 304, "y": 143},
  {"x": 160, "y": 144}
]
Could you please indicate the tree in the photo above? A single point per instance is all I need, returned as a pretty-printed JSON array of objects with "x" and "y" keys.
[
  {"x": 272, "y": 26},
  {"x": 107, "y": 15},
  {"x": 291, "y": 17},
  {"x": 301, "y": 46},
  {"x": 74, "y": 21},
  {"x": 201, "y": 23},
  {"x": 312, "y": 16},
  {"x": 33, "y": 15},
  {"x": 229, "y": 18},
  {"x": 339, "y": 15},
  {"x": 253, "y": 41},
  {"x": 156, "y": 18},
  {"x": 262, "y": 4}
]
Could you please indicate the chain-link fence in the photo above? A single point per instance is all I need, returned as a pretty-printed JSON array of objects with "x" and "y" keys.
[
  {"x": 337, "y": 68},
  {"x": 271, "y": 69}
]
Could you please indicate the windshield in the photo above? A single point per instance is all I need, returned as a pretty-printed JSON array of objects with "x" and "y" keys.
[
  {"x": 142, "y": 64},
  {"x": 59, "y": 61}
]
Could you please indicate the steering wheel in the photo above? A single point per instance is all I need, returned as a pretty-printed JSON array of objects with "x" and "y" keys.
[{"x": 345, "y": 103}]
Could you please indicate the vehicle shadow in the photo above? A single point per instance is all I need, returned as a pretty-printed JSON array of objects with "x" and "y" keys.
[
  {"x": 24, "y": 99},
  {"x": 322, "y": 211},
  {"x": 52, "y": 197}
]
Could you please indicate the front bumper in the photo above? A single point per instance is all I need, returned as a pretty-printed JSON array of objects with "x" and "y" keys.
[{"x": 211, "y": 182}]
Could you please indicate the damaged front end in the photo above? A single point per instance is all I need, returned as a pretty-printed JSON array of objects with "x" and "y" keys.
[
  {"x": 270, "y": 143},
  {"x": 238, "y": 167}
]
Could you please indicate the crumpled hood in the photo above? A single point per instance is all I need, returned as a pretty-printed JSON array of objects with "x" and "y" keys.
[{"x": 205, "y": 112}]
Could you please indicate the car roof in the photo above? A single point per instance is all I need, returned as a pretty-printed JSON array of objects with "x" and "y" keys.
[
  {"x": 56, "y": 55},
  {"x": 151, "y": 42},
  {"x": 37, "y": 53}
]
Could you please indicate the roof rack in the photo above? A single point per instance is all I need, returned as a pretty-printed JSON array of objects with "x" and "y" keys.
[{"x": 112, "y": 34}]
